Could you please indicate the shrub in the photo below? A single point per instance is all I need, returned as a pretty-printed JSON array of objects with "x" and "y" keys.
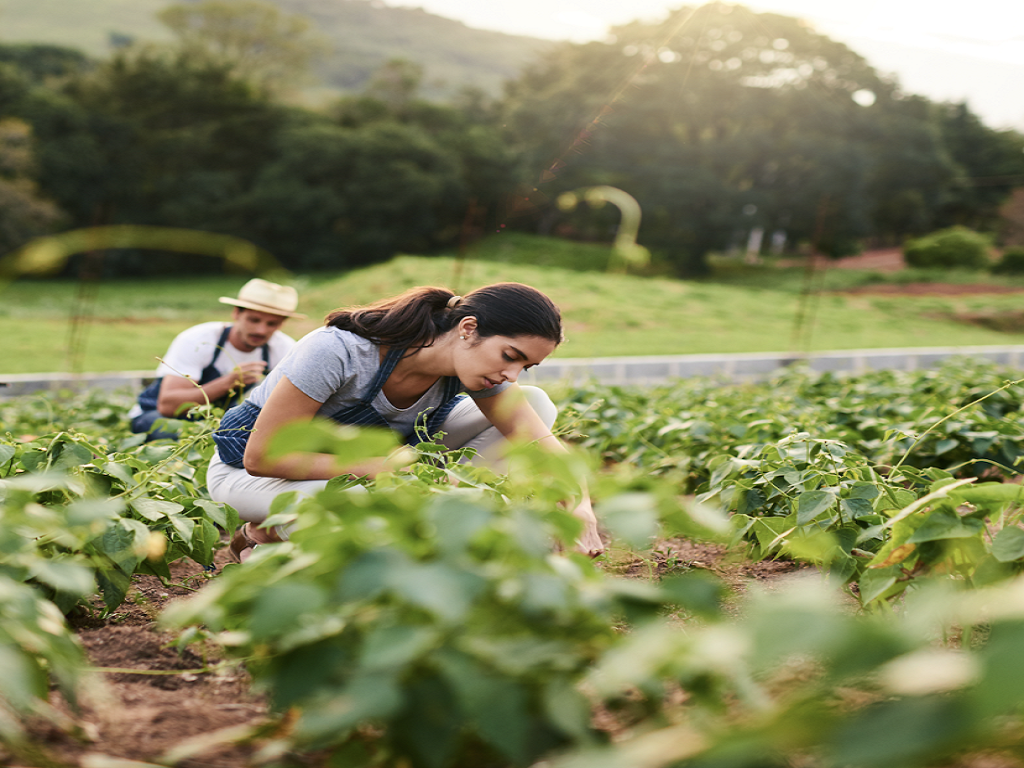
[
  {"x": 953, "y": 247},
  {"x": 1012, "y": 262}
]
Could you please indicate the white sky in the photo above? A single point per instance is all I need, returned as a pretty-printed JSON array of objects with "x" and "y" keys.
[{"x": 943, "y": 49}]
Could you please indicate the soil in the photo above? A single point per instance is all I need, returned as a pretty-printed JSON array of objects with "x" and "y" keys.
[{"x": 191, "y": 718}]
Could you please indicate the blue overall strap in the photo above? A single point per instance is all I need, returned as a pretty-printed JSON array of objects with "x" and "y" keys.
[{"x": 362, "y": 414}]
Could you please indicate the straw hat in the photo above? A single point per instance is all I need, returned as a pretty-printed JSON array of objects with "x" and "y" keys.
[{"x": 267, "y": 297}]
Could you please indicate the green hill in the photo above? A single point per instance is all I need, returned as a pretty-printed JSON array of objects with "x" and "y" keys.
[
  {"x": 362, "y": 34},
  {"x": 605, "y": 314}
]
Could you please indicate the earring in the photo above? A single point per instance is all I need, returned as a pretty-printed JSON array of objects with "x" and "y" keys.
[{"x": 462, "y": 337}]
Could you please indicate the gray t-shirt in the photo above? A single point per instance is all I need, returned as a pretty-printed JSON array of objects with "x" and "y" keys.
[{"x": 336, "y": 368}]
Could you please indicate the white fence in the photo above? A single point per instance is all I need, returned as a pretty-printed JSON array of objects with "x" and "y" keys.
[{"x": 606, "y": 370}]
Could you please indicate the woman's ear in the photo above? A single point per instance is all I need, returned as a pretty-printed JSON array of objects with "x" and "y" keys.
[{"x": 467, "y": 325}]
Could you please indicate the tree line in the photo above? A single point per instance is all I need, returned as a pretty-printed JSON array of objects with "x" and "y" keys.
[{"x": 719, "y": 121}]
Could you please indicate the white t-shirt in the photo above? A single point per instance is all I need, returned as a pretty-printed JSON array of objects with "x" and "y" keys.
[{"x": 193, "y": 349}]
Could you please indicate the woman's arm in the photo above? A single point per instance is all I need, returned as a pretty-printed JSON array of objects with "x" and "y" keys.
[
  {"x": 286, "y": 404},
  {"x": 510, "y": 412}
]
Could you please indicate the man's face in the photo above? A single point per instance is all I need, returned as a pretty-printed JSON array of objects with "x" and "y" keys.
[{"x": 252, "y": 329}]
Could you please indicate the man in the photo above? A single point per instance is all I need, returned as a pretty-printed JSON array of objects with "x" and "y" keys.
[{"x": 218, "y": 362}]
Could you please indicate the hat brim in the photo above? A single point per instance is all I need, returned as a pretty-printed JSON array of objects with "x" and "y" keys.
[{"x": 258, "y": 307}]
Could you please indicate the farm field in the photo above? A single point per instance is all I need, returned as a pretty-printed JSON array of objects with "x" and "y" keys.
[
  {"x": 125, "y": 324},
  {"x": 793, "y": 567}
]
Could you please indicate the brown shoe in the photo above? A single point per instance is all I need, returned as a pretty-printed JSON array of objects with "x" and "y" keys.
[{"x": 241, "y": 545}]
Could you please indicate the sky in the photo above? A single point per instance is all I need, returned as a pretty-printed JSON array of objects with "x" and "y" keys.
[{"x": 944, "y": 49}]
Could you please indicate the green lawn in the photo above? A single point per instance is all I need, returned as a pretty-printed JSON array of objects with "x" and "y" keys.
[{"x": 129, "y": 323}]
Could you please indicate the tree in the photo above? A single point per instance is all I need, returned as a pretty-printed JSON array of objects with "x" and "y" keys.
[
  {"x": 23, "y": 213},
  {"x": 252, "y": 38},
  {"x": 990, "y": 164},
  {"x": 718, "y": 120}
]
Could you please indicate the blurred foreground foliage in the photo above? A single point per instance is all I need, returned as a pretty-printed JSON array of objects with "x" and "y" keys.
[{"x": 428, "y": 618}]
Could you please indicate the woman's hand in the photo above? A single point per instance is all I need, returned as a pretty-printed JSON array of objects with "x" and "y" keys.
[{"x": 589, "y": 541}]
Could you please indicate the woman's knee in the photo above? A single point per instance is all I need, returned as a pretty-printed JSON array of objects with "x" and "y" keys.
[{"x": 541, "y": 402}]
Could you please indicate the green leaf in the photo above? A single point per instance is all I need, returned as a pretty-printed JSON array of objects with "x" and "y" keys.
[
  {"x": 346, "y": 443},
  {"x": 7, "y": 452},
  {"x": 22, "y": 680},
  {"x": 945, "y": 524},
  {"x": 989, "y": 493},
  {"x": 856, "y": 508},
  {"x": 812, "y": 504},
  {"x": 1008, "y": 545},
  {"x": 183, "y": 526},
  {"x": 944, "y": 446},
  {"x": 876, "y": 582},
  {"x": 280, "y": 607},
  {"x": 446, "y": 592},
  {"x": 155, "y": 509},
  {"x": 864, "y": 490},
  {"x": 123, "y": 542},
  {"x": 632, "y": 517},
  {"x": 87, "y": 512},
  {"x": 395, "y": 646},
  {"x": 498, "y": 706},
  {"x": 64, "y": 576},
  {"x": 364, "y": 699},
  {"x": 219, "y": 513}
]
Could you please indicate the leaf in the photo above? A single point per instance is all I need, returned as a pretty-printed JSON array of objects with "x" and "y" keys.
[
  {"x": 892, "y": 557},
  {"x": 64, "y": 576},
  {"x": 444, "y": 591},
  {"x": 632, "y": 517},
  {"x": 876, "y": 582},
  {"x": 155, "y": 509},
  {"x": 346, "y": 443},
  {"x": 394, "y": 647},
  {"x": 1008, "y": 545},
  {"x": 7, "y": 452},
  {"x": 856, "y": 508},
  {"x": 989, "y": 493},
  {"x": 864, "y": 490},
  {"x": 217, "y": 512},
  {"x": 944, "y": 524},
  {"x": 183, "y": 526},
  {"x": 280, "y": 607},
  {"x": 124, "y": 543},
  {"x": 812, "y": 504}
]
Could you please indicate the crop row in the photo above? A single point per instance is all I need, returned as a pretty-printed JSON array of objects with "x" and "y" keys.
[{"x": 415, "y": 619}]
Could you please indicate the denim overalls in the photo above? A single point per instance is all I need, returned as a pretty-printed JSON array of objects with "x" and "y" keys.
[{"x": 235, "y": 427}]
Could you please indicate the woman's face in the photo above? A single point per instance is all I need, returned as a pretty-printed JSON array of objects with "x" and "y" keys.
[{"x": 482, "y": 363}]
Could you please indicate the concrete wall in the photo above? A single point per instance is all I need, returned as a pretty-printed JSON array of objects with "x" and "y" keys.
[{"x": 608, "y": 370}]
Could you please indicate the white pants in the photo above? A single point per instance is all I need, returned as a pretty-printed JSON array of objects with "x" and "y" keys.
[{"x": 465, "y": 427}]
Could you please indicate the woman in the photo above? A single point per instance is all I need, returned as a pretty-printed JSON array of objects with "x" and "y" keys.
[{"x": 400, "y": 363}]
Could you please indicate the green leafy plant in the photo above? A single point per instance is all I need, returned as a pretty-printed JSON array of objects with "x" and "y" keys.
[
  {"x": 1010, "y": 263},
  {"x": 412, "y": 621},
  {"x": 956, "y": 247}
]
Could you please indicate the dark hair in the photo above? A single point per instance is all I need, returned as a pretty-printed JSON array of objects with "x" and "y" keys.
[{"x": 417, "y": 317}]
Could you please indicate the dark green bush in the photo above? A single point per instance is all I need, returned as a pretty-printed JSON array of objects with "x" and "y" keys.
[
  {"x": 1012, "y": 262},
  {"x": 954, "y": 247}
]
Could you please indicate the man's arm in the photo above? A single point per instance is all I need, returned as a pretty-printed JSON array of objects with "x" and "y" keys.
[{"x": 179, "y": 394}]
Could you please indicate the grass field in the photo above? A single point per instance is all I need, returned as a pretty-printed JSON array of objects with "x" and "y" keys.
[{"x": 126, "y": 324}]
